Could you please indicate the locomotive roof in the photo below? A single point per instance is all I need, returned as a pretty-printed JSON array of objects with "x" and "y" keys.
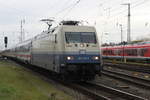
[{"x": 70, "y": 22}]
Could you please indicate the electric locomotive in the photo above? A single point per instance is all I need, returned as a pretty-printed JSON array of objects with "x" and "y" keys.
[{"x": 70, "y": 50}]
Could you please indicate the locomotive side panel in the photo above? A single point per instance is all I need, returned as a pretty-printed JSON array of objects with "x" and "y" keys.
[
  {"x": 58, "y": 49},
  {"x": 47, "y": 51},
  {"x": 42, "y": 52}
]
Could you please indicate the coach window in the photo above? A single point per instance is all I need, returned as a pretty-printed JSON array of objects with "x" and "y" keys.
[
  {"x": 111, "y": 52},
  {"x": 115, "y": 52},
  {"x": 134, "y": 52},
  {"x": 119, "y": 52},
  {"x": 104, "y": 52},
  {"x": 131, "y": 52},
  {"x": 128, "y": 52},
  {"x": 108, "y": 52},
  {"x": 143, "y": 51}
]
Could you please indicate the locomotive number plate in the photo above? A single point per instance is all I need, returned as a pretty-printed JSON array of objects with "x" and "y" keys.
[{"x": 83, "y": 58}]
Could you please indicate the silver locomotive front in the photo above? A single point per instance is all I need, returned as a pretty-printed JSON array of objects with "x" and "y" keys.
[{"x": 81, "y": 52}]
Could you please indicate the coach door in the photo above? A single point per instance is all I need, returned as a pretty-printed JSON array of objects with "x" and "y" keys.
[
  {"x": 56, "y": 54},
  {"x": 55, "y": 58}
]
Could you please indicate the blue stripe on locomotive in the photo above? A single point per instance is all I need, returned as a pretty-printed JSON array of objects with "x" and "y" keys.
[
  {"x": 80, "y": 58},
  {"x": 61, "y": 58}
]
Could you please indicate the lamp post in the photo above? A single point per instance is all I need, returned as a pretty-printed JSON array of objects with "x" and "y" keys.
[
  {"x": 122, "y": 46},
  {"x": 121, "y": 32},
  {"x": 22, "y": 34}
]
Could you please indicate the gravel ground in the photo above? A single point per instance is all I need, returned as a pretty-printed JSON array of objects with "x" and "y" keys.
[
  {"x": 117, "y": 84},
  {"x": 132, "y": 73}
]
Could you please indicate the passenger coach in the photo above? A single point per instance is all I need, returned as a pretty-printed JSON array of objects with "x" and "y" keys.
[{"x": 136, "y": 52}]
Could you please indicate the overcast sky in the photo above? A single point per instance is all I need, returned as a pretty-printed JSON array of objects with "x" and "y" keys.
[{"x": 105, "y": 15}]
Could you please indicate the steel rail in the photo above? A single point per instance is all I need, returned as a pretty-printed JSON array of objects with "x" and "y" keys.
[
  {"x": 126, "y": 75},
  {"x": 88, "y": 92},
  {"x": 124, "y": 95},
  {"x": 134, "y": 80},
  {"x": 138, "y": 68}
]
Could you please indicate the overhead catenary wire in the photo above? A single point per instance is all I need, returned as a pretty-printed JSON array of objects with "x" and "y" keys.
[
  {"x": 112, "y": 16},
  {"x": 77, "y": 2},
  {"x": 132, "y": 3},
  {"x": 125, "y": 10},
  {"x": 118, "y": 15},
  {"x": 66, "y": 8}
]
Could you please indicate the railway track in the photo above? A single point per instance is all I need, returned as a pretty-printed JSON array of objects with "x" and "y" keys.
[
  {"x": 132, "y": 67},
  {"x": 128, "y": 78},
  {"x": 110, "y": 93},
  {"x": 100, "y": 91},
  {"x": 94, "y": 91},
  {"x": 91, "y": 93}
]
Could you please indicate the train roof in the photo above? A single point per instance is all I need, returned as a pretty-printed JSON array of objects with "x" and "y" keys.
[
  {"x": 142, "y": 43},
  {"x": 127, "y": 46}
]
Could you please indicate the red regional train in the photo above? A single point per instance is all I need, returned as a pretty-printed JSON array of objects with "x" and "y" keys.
[{"x": 136, "y": 52}]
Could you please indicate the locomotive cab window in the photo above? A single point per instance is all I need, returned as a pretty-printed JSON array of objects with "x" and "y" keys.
[{"x": 80, "y": 37}]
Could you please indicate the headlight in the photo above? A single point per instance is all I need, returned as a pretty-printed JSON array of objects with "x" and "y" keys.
[
  {"x": 81, "y": 45},
  {"x": 96, "y": 58},
  {"x": 69, "y": 58}
]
